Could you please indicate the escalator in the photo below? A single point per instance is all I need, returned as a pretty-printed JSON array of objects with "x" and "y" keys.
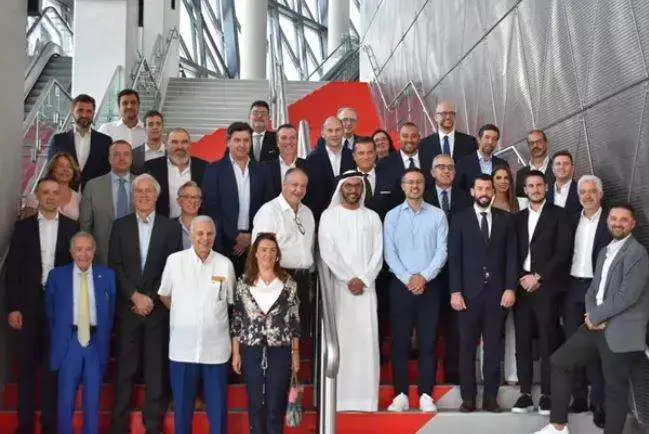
[{"x": 57, "y": 68}]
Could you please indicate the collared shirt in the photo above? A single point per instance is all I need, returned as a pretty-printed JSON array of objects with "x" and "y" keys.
[
  {"x": 200, "y": 292},
  {"x": 561, "y": 194},
  {"x": 532, "y": 220},
  {"x": 478, "y": 214},
  {"x": 114, "y": 182},
  {"x": 486, "y": 165},
  {"x": 257, "y": 144},
  {"x": 283, "y": 167},
  {"x": 47, "y": 231},
  {"x": 118, "y": 130},
  {"x": 150, "y": 154},
  {"x": 335, "y": 158},
  {"x": 144, "y": 230},
  {"x": 187, "y": 237},
  {"x": 611, "y": 252},
  {"x": 82, "y": 147},
  {"x": 371, "y": 177},
  {"x": 415, "y": 241},
  {"x": 76, "y": 287},
  {"x": 406, "y": 159},
  {"x": 439, "y": 194},
  {"x": 242, "y": 177},
  {"x": 582, "y": 262},
  {"x": 543, "y": 167},
  {"x": 176, "y": 180},
  {"x": 278, "y": 217},
  {"x": 451, "y": 140}
]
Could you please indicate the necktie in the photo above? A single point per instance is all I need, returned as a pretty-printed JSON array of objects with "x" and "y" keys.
[
  {"x": 368, "y": 187},
  {"x": 346, "y": 144},
  {"x": 257, "y": 148},
  {"x": 484, "y": 226},
  {"x": 122, "y": 200},
  {"x": 83, "y": 315},
  {"x": 447, "y": 146},
  {"x": 446, "y": 207},
  {"x": 412, "y": 163}
]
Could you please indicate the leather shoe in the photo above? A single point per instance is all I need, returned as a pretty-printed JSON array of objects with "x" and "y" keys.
[
  {"x": 599, "y": 416},
  {"x": 490, "y": 404},
  {"x": 467, "y": 407}
]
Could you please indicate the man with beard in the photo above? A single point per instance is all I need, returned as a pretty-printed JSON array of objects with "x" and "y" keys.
[
  {"x": 128, "y": 127},
  {"x": 351, "y": 247},
  {"x": 173, "y": 171},
  {"x": 447, "y": 140},
  {"x": 88, "y": 147},
  {"x": 614, "y": 329},
  {"x": 537, "y": 144},
  {"x": 481, "y": 161},
  {"x": 483, "y": 270}
]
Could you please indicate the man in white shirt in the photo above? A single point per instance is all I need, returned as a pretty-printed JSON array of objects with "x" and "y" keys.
[
  {"x": 128, "y": 127},
  {"x": 563, "y": 192},
  {"x": 154, "y": 146},
  {"x": 264, "y": 142},
  {"x": 537, "y": 143},
  {"x": 197, "y": 286},
  {"x": 288, "y": 158}
]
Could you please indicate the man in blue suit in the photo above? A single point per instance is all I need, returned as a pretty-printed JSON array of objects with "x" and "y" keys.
[
  {"x": 483, "y": 267},
  {"x": 481, "y": 161},
  {"x": 234, "y": 188},
  {"x": 563, "y": 191},
  {"x": 80, "y": 303}
]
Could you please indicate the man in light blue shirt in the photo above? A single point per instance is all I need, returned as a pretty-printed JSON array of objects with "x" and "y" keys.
[{"x": 415, "y": 234}]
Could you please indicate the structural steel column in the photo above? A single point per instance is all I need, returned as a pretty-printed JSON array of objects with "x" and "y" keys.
[
  {"x": 337, "y": 23},
  {"x": 253, "y": 16}
]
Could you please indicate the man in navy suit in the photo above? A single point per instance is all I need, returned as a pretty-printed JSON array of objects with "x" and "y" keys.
[
  {"x": 234, "y": 188},
  {"x": 264, "y": 141},
  {"x": 481, "y": 161},
  {"x": 483, "y": 269},
  {"x": 324, "y": 164},
  {"x": 447, "y": 140},
  {"x": 537, "y": 143},
  {"x": 277, "y": 167},
  {"x": 80, "y": 301},
  {"x": 563, "y": 191},
  {"x": 88, "y": 147}
]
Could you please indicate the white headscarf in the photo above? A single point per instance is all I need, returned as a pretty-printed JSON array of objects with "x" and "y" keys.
[{"x": 336, "y": 198}]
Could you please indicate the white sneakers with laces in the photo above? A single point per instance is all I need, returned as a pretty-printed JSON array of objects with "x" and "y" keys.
[{"x": 400, "y": 403}]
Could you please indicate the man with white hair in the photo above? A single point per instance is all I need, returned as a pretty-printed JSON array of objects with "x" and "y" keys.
[
  {"x": 139, "y": 245},
  {"x": 351, "y": 247},
  {"x": 196, "y": 286}
]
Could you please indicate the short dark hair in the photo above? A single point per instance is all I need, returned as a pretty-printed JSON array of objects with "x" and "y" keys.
[
  {"x": 563, "y": 153},
  {"x": 532, "y": 173},
  {"x": 545, "y": 139},
  {"x": 237, "y": 126},
  {"x": 45, "y": 179},
  {"x": 625, "y": 205},
  {"x": 152, "y": 114},
  {"x": 286, "y": 125},
  {"x": 126, "y": 92},
  {"x": 482, "y": 177},
  {"x": 82, "y": 97},
  {"x": 408, "y": 124},
  {"x": 488, "y": 127},
  {"x": 260, "y": 103},
  {"x": 413, "y": 170},
  {"x": 364, "y": 139}
]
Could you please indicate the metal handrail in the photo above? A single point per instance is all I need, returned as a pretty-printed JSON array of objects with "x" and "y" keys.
[
  {"x": 277, "y": 82},
  {"x": 198, "y": 68},
  {"x": 29, "y": 119},
  {"x": 105, "y": 97},
  {"x": 32, "y": 73},
  {"x": 43, "y": 14},
  {"x": 346, "y": 46}
]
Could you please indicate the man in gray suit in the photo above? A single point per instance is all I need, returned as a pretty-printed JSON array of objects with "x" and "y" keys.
[
  {"x": 107, "y": 198},
  {"x": 614, "y": 329}
]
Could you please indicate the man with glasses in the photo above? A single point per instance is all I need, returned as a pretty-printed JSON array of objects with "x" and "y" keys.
[
  {"x": 264, "y": 141},
  {"x": 349, "y": 119},
  {"x": 447, "y": 140},
  {"x": 482, "y": 161},
  {"x": 190, "y": 199},
  {"x": 537, "y": 143}
]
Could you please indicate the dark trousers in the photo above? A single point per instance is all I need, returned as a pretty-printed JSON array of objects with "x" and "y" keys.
[
  {"x": 535, "y": 311},
  {"x": 584, "y": 346},
  {"x": 573, "y": 317},
  {"x": 383, "y": 303},
  {"x": 33, "y": 342},
  {"x": 147, "y": 339},
  {"x": 483, "y": 317},
  {"x": 307, "y": 314},
  {"x": 449, "y": 331},
  {"x": 185, "y": 378},
  {"x": 422, "y": 312},
  {"x": 267, "y": 389}
]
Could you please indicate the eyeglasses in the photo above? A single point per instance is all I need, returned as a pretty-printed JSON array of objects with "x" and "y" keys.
[
  {"x": 411, "y": 183},
  {"x": 300, "y": 226},
  {"x": 443, "y": 167},
  {"x": 188, "y": 197},
  {"x": 444, "y": 114}
]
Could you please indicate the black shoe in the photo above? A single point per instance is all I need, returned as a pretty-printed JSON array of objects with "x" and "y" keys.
[
  {"x": 524, "y": 404},
  {"x": 490, "y": 404},
  {"x": 599, "y": 416},
  {"x": 467, "y": 407},
  {"x": 544, "y": 405},
  {"x": 579, "y": 405}
]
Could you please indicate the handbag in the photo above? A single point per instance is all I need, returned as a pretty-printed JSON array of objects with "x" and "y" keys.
[{"x": 294, "y": 409}]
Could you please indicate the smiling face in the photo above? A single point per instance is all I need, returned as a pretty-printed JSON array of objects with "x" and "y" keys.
[
  {"x": 63, "y": 171},
  {"x": 83, "y": 252},
  {"x": 332, "y": 132},
  {"x": 294, "y": 187},
  {"x": 144, "y": 196},
  {"x": 445, "y": 116},
  {"x": 190, "y": 200},
  {"x": 178, "y": 145},
  {"x": 413, "y": 184},
  {"x": 364, "y": 156},
  {"x": 266, "y": 254},
  {"x": 349, "y": 120},
  {"x": 590, "y": 196},
  {"x": 444, "y": 171},
  {"x": 287, "y": 143},
  {"x": 83, "y": 113},
  {"x": 409, "y": 139},
  {"x": 482, "y": 192},
  {"x": 48, "y": 194},
  {"x": 537, "y": 145},
  {"x": 488, "y": 141},
  {"x": 120, "y": 157},
  {"x": 620, "y": 223},
  {"x": 129, "y": 107},
  {"x": 501, "y": 180},
  {"x": 258, "y": 118},
  {"x": 239, "y": 145},
  {"x": 351, "y": 191},
  {"x": 203, "y": 235},
  {"x": 535, "y": 189},
  {"x": 563, "y": 168},
  {"x": 382, "y": 145},
  {"x": 153, "y": 126}
]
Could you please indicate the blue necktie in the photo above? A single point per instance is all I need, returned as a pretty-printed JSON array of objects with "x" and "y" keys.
[
  {"x": 122, "y": 200},
  {"x": 447, "y": 147},
  {"x": 445, "y": 205}
]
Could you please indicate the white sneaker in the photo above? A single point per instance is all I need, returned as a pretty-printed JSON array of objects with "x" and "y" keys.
[
  {"x": 426, "y": 404},
  {"x": 550, "y": 429},
  {"x": 399, "y": 403}
]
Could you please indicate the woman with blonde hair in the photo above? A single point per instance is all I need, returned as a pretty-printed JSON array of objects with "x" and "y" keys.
[{"x": 65, "y": 170}]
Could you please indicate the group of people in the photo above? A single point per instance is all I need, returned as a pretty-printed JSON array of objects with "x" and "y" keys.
[{"x": 202, "y": 266}]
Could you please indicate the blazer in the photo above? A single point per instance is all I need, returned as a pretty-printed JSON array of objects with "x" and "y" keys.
[
  {"x": 468, "y": 168},
  {"x": 464, "y": 145},
  {"x": 460, "y": 200},
  {"x": 274, "y": 174},
  {"x": 550, "y": 246},
  {"x": 159, "y": 170},
  {"x": 269, "y": 149},
  {"x": 394, "y": 166},
  {"x": 385, "y": 195},
  {"x": 472, "y": 259},
  {"x": 573, "y": 206},
  {"x": 138, "y": 159},
  {"x": 97, "y": 213},
  {"x": 221, "y": 199},
  {"x": 60, "y": 312},
  {"x": 625, "y": 308},
  {"x": 24, "y": 289},
  {"x": 321, "y": 142},
  {"x": 124, "y": 256},
  {"x": 97, "y": 163},
  {"x": 523, "y": 171},
  {"x": 321, "y": 178}
]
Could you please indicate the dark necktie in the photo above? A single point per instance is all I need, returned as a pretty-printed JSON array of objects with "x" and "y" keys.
[
  {"x": 346, "y": 144},
  {"x": 447, "y": 146},
  {"x": 412, "y": 163},
  {"x": 368, "y": 187},
  {"x": 484, "y": 226},
  {"x": 446, "y": 206},
  {"x": 122, "y": 200}
]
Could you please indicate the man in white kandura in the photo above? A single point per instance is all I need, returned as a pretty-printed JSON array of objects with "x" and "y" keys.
[{"x": 351, "y": 247}]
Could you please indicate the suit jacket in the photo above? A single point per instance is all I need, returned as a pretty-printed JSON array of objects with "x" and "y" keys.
[
  {"x": 159, "y": 170},
  {"x": 573, "y": 206},
  {"x": 394, "y": 167},
  {"x": 460, "y": 200},
  {"x": 124, "y": 256},
  {"x": 138, "y": 159},
  {"x": 269, "y": 149},
  {"x": 385, "y": 195},
  {"x": 59, "y": 296},
  {"x": 464, "y": 145},
  {"x": 471, "y": 258},
  {"x": 321, "y": 179},
  {"x": 221, "y": 199},
  {"x": 625, "y": 307},
  {"x": 274, "y": 174},
  {"x": 97, "y": 213},
  {"x": 550, "y": 246},
  {"x": 97, "y": 163},
  {"x": 321, "y": 142},
  {"x": 24, "y": 267},
  {"x": 523, "y": 171},
  {"x": 468, "y": 168}
]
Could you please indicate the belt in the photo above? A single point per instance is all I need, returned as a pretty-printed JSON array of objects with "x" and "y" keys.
[
  {"x": 581, "y": 279},
  {"x": 298, "y": 271},
  {"x": 93, "y": 328}
]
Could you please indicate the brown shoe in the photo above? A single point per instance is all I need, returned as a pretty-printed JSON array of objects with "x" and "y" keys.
[
  {"x": 467, "y": 407},
  {"x": 491, "y": 405}
]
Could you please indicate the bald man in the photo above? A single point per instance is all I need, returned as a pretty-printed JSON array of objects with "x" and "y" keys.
[{"x": 447, "y": 140}]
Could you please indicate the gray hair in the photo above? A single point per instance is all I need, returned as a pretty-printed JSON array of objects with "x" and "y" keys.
[
  {"x": 293, "y": 170},
  {"x": 187, "y": 185},
  {"x": 591, "y": 178},
  {"x": 142, "y": 177},
  {"x": 342, "y": 109},
  {"x": 439, "y": 157},
  {"x": 82, "y": 234},
  {"x": 202, "y": 219}
]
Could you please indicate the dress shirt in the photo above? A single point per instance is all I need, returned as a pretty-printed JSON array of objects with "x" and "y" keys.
[
  {"x": 187, "y": 236},
  {"x": 200, "y": 293},
  {"x": 532, "y": 220},
  {"x": 406, "y": 159},
  {"x": 242, "y": 177},
  {"x": 561, "y": 194},
  {"x": 478, "y": 214},
  {"x": 177, "y": 179},
  {"x": 82, "y": 147},
  {"x": 335, "y": 158},
  {"x": 486, "y": 166},
  {"x": 415, "y": 242},
  {"x": 144, "y": 230},
  {"x": 371, "y": 177},
  {"x": 266, "y": 295},
  {"x": 76, "y": 287},
  {"x": 582, "y": 263},
  {"x": 451, "y": 140},
  {"x": 48, "y": 232},
  {"x": 543, "y": 167},
  {"x": 118, "y": 130},
  {"x": 150, "y": 154},
  {"x": 278, "y": 217},
  {"x": 283, "y": 167},
  {"x": 448, "y": 195},
  {"x": 114, "y": 182},
  {"x": 611, "y": 252}
]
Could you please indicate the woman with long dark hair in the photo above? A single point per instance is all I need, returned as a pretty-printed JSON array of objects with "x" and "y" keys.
[
  {"x": 383, "y": 143},
  {"x": 505, "y": 197}
]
